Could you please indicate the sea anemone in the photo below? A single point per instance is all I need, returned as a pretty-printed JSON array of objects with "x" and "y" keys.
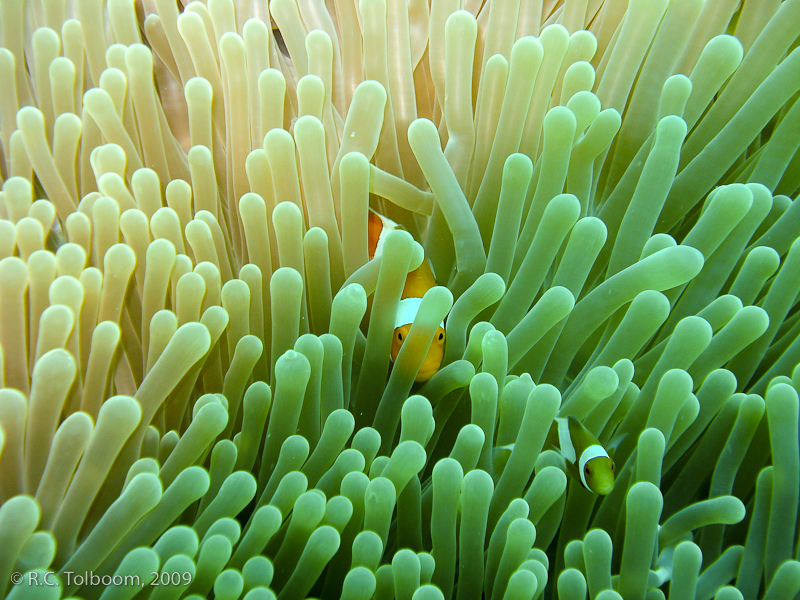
[{"x": 196, "y": 392}]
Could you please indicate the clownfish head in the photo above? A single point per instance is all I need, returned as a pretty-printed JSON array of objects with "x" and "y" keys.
[
  {"x": 599, "y": 475},
  {"x": 433, "y": 359}
]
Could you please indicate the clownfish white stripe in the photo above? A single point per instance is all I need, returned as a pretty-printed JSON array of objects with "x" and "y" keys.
[
  {"x": 565, "y": 440},
  {"x": 388, "y": 227},
  {"x": 587, "y": 455},
  {"x": 407, "y": 310}
]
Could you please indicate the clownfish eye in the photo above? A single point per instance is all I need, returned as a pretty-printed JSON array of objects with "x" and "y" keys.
[
  {"x": 587, "y": 470},
  {"x": 441, "y": 337},
  {"x": 400, "y": 336},
  {"x": 612, "y": 467}
]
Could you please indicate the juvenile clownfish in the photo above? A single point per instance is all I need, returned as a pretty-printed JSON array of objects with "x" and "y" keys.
[
  {"x": 417, "y": 283},
  {"x": 587, "y": 460}
]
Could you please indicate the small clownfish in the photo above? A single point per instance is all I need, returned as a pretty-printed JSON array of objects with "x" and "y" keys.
[
  {"x": 417, "y": 283},
  {"x": 587, "y": 460}
]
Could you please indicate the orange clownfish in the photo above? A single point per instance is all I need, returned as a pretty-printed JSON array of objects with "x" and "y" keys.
[
  {"x": 417, "y": 283},
  {"x": 587, "y": 461}
]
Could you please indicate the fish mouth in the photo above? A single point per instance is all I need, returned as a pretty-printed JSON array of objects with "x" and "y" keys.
[
  {"x": 424, "y": 375},
  {"x": 605, "y": 490}
]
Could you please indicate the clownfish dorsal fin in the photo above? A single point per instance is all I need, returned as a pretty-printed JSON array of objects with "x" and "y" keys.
[{"x": 582, "y": 438}]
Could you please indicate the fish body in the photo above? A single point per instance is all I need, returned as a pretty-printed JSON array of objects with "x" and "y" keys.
[
  {"x": 418, "y": 281},
  {"x": 587, "y": 461}
]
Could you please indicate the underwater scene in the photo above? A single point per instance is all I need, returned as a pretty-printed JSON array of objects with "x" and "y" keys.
[{"x": 399, "y": 299}]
